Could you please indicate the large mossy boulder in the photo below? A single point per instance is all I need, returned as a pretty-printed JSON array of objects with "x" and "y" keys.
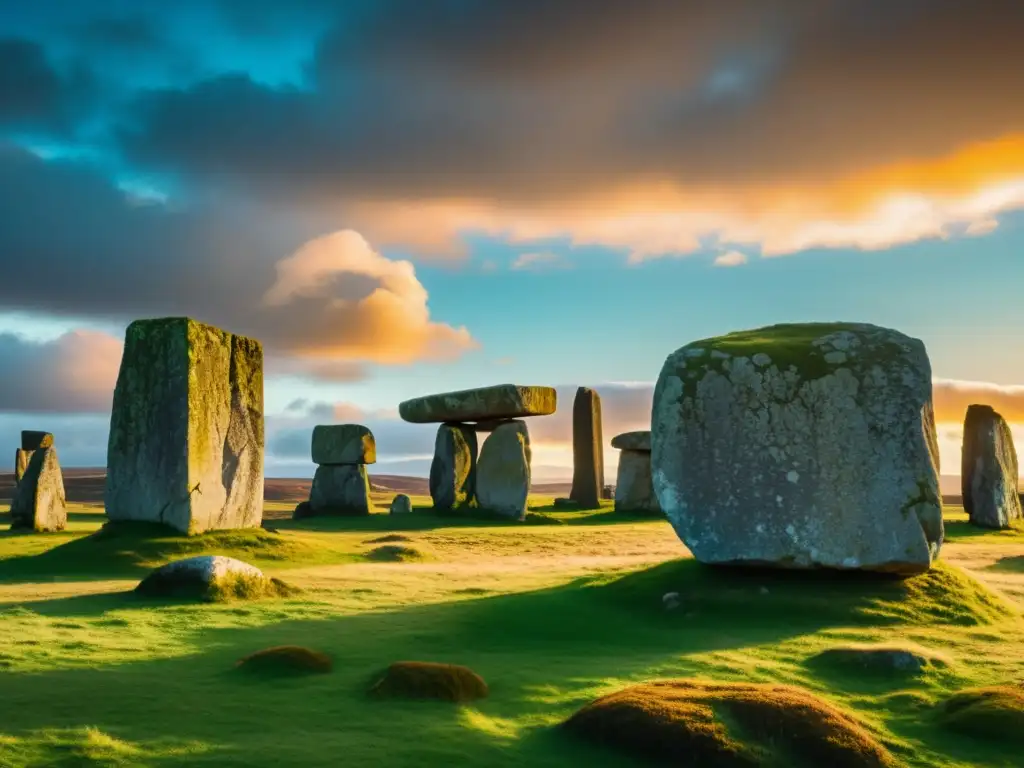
[
  {"x": 210, "y": 578},
  {"x": 988, "y": 470},
  {"x": 800, "y": 446},
  {"x": 39, "y": 503},
  {"x": 186, "y": 430},
  {"x": 503, "y": 471},
  {"x": 453, "y": 469},
  {"x": 728, "y": 725}
]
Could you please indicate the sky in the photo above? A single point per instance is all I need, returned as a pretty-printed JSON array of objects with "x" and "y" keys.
[{"x": 402, "y": 197}]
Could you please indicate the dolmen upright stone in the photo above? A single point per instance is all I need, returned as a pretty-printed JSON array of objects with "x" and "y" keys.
[
  {"x": 800, "y": 446},
  {"x": 634, "y": 488},
  {"x": 587, "y": 450},
  {"x": 39, "y": 503},
  {"x": 988, "y": 471},
  {"x": 341, "y": 485},
  {"x": 31, "y": 441},
  {"x": 500, "y": 481},
  {"x": 186, "y": 430}
]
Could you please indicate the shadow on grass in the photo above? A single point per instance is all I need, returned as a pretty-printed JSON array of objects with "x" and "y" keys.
[
  {"x": 962, "y": 530},
  {"x": 1013, "y": 564}
]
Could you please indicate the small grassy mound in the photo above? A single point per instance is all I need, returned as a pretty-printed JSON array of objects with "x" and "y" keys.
[
  {"x": 427, "y": 680},
  {"x": 232, "y": 586},
  {"x": 539, "y": 518},
  {"x": 878, "y": 659},
  {"x": 394, "y": 553},
  {"x": 728, "y": 725},
  {"x": 992, "y": 713},
  {"x": 286, "y": 661},
  {"x": 391, "y": 538}
]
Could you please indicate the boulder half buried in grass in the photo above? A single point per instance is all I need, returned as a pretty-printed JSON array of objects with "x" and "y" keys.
[
  {"x": 428, "y": 680},
  {"x": 210, "y": 578}
]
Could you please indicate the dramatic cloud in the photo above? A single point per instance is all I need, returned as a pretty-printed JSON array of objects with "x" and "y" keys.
[
  {"x": 952, "y": 398},
  {"x": 34, "y": 94}
]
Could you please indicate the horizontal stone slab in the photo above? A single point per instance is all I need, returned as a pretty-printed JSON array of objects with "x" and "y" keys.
[
  {"x": 343, "y": 444},
  {"x": 504, "y": 401},
  {"x": 33, "y": 440},
  {"x": 633, "y": 441}
]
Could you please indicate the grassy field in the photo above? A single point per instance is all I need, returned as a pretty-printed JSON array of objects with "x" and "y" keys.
[{"x": 550, "y": 615}]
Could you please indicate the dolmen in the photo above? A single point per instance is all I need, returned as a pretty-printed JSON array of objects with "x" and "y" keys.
[
  {"x": 587, "y": 450},
  {"x": 186, "y": 430},
  {"x": 498, "y": 481},
  {"x": 988, "y": 471},
  {"x": 800, "y": 446},
  {"x": 39, "y": 503},
  {"x": 634, "y": 488},
  {"x": 340, "y": 484}
]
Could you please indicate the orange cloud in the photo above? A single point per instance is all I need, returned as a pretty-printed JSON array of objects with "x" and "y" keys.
[{"x": 952, "y": 397}]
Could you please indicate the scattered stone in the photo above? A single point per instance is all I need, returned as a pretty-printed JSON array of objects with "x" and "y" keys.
[
  {"x": 186, "y": 430},
  {"x": 802, "y": 463},
  {"x": 879, "y": 659},
  {"x": 670, "y": 600},
  {"x": 39, "y": 503},
  {"x": 401, "y": 505},
  {"x": 21, "y": 460},
  {"x": 587, "y": 449},
  {"x": 32, "y": 440},
  {"x": 343, "y": 444},
  {"x": 504, "y": 401},
  {"x": 453, "y": 471},
  {"x": 210, "y": 578},
  {"x": 503, "y": 472},
  {"x": 994, "y": 714},
  {"x": 286, "y": 661},
  {"x": 634, "y": 488},
  {"x": 988, "y": 474},
  {"x": 340, "y": 489},
  {"x": 427, "y": 680},
  {"x": 732, "y": 725},
  {"x": 633, "y": 441}
]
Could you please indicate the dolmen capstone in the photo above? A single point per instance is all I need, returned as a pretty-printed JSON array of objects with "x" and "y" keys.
[
  {"x": 39, "y": 503},
  {"x": 634, "y": 488},
  {"x": 340, "y": 484},
  {"x": 800, "y": 446},
  {"x": 587, "y": 450},
  {"x": 988, "y": 470},
  {"x": 499, "y": 481},
  {"x": 186, "y": 430}
]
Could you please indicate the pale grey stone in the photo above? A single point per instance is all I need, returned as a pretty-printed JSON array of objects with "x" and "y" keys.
[
  {"x": 401, "y": 505},
  {"x": 634, "y": 488},
  {"x": 504, "y": 401},
  {"x": 343, "y": 444},
  {"x": 633, "y": 441},
  {"x": 503, "y": 471},
  {"x": 453, "y": 470},
  {"x": 989, "y": 469},
  {"x": 39, "y": 503},
  {"x": 340, "y": 489},
  {"x": 198, "y": 576}
]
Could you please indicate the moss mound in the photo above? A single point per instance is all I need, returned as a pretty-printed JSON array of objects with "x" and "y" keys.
[
  {"x": 878, "y": 659},
  {"x": 427, "y": 680},
  {"x": 394, "y": 553},
  {"x": 992, "y": 713},
  {"x": 391, "y": 538},
  {"x": 729, "y": 725},
  {"x": 286, "y": 661}
]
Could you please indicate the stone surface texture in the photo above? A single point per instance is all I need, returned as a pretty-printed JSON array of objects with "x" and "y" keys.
[
  {"x": 202, "y": 574},
  {"x": 453, "y": 471},
  {"x": 401, "y": 505},
  {"x": 504, "y": 401},
  {"x": 186, "y": 431},
  {"x": 39, "y": 503},
  {"x": 988, "y": 472},
  {"x": 587, "y": 449},
  {"x": 343, "y": 444},
  {"x": 21, "y": 460},
  {"x": 800, "y": 446},
  {"x": 33, "y": 440},
  {"x": 503, "y": 471},
  {"x": 634, "y": 488},
  {"x": 340, "y": 489},
  {"x": 633, "y": 441}
]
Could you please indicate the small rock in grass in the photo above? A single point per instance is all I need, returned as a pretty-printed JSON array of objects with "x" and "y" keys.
[
  {"x": 879, "y": 659},
  {"x": 210, "y": 578},
  {"x": 670, "y": 600},
  {"x": 401, "y": 505},
  {"x": 428, "y": 680},
  {"x": 286, "y": 660}
]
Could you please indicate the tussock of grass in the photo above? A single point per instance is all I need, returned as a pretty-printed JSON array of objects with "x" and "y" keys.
[
  {"x": 879, "y": 659},
  {"x": 427, "y": 680},
  {"x": 393, "y": 553},
  {"x": 991, "y": 713},
  {"x": 729, "y": 725},
  {"x": 391, "y": 538},
  {"x": 285, "y": 661}
]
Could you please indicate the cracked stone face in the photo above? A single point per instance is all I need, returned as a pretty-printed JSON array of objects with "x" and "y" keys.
[{"x": 824, "y": 457}]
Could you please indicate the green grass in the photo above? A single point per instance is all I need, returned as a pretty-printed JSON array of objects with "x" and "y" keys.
[{"x": 552, "y": 616}]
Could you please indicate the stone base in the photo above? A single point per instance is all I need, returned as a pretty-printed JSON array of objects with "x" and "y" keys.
[
  {"x": 503, "y": 471},
  {"x": 340, "y": 489},
  {"x": 634, "y": 488}
]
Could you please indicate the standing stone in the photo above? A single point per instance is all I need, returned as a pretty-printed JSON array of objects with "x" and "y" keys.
[
  {"x": 988, "y": 470},
  {"x": 400, "y": 505},
  {"x": 800, "y": 446},
  {"x": 503, "y": 472},
  {"x": 340, "y": 489},
  {"x": 587, "y": 450},
  {"x": 634, "y": 488},
  {"x": 21, "y": 460},
  {"x": 33, "y": 440},
  {"x": 186, "y": 431},
  {"x": 343, "y": 444},
  {"x": 453, "y": 472},
  {"x": 39, "y": 503}
]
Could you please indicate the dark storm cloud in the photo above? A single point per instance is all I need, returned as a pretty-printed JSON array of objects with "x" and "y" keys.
[{"x": 34, "y": 93}]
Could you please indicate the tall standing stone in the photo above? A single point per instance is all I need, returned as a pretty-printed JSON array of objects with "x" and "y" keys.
[
  {"x": 453, "y": 471},
  {"x": 341, "y": 485},
  {"x": 587, "y": 450},
  {"x": 800, "y": 446},
  {"x": 988, "y": 469},
  {"x": 186, "y": 431},
  {"x": 39, "y": 503},
  {"x": 503, "y": 471}
]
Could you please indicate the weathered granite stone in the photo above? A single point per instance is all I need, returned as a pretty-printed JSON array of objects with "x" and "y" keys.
[
  {"x": 205, "y": 577},
  {"x": 587, "y": 449},
  {"x": 21, "y": 460},
  {"x": 634, "y": 489},
  {"x": 489, "y": 425},
  {"x": 340, "y": 489},
  {"x": 186, "y": 431},
  {"x": 633, "y": 441},
  {"x": 33, "y": 440},
  {"x": 39, "y": 503},
  {"x": 343, "y": 444},
  {"x": 503, "y": 471},
  {"x": 988, "y": 472},
  {"x": 453, "y": 471},
  {"x": 807, "y": 461},
  {"x": 401, "y": 505},
  {"x": 504, "y": 401}
]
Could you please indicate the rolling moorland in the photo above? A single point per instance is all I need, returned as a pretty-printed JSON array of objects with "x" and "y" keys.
[{"x": 552, "y": 615}]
